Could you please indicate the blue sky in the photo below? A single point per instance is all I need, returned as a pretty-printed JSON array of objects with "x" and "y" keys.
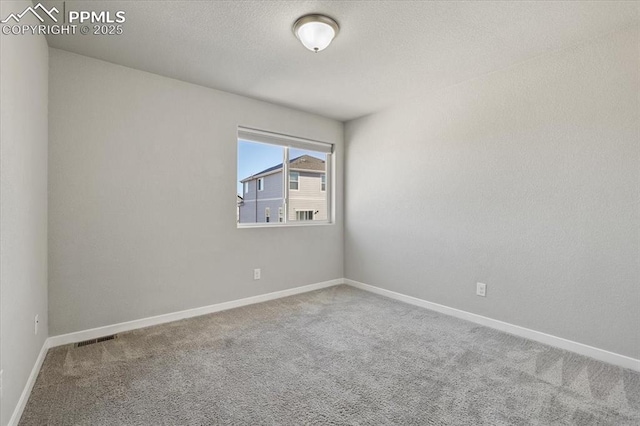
[{"x": 254, "y": 157}]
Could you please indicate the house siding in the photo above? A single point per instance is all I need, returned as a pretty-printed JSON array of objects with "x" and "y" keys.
[
  {"x": 161, "y": 191},
  {"x": 271, "y": 196},
  {"x": 308, "y": 197},
  {"x": 248, "y": 211}
]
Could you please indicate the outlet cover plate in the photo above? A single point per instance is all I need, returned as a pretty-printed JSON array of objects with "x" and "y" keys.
[{"x": 481, "y": 289}]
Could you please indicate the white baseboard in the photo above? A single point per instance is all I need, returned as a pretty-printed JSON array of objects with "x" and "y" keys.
[
  {"x": 24, "y": 397},
  {"x": 94, "y": 333},
  {"x": 558, "y": 342}
]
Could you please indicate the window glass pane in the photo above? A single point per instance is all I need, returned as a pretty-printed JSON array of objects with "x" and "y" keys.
[
  {"x": 259, "y": 162},
  {"x": 309, "y": 199},
  {"x": 270, "y": 192}
]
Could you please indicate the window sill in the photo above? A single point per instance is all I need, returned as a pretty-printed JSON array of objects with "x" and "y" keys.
[{"x": 282, "y": 225}]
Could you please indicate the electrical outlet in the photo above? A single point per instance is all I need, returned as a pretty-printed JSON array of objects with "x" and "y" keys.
[
  {"x": 256, "y": 274},
  {"x": 481, "y": 289},
  {"x": 35, "y": 325}
]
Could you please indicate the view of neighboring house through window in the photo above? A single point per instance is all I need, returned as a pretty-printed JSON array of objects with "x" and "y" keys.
[
  {"x": 294, "y": 180},
  {"x": 284, "y": 173}
]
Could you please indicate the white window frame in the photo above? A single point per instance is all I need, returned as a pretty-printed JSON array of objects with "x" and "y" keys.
[
  {"x": 323, "y": 182},
  {"x": 260, "y": 184},
  {"x": 287, "y": 142},
  {"x": 267, "y": 214},
  {"x": 245, "y": 187}
]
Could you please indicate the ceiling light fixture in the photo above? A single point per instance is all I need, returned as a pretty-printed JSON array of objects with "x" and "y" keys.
[{"x": 316, "y": 32}]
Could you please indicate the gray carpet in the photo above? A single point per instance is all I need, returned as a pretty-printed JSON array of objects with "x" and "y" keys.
[{"x": 335, "y": 356}]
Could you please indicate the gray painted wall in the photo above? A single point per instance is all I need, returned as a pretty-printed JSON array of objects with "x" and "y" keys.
[
  {"x": 23, "y": 206},
  {"x": 527, "y": 179},
  {"x": 142, "y": 184}
]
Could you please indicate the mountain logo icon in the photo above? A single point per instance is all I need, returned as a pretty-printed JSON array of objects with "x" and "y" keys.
[{"x": 34, "y": 10}]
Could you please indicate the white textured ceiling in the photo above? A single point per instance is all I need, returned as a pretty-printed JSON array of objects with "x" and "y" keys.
[{"x": 386, "y": 51}]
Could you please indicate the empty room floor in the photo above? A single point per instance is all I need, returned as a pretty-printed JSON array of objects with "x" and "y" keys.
[{"x": 333, "y": 356}]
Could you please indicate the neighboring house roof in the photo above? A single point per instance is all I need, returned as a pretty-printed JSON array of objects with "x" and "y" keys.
[
  {"x": 304, "y": 162},
  {"x": 307, "y": 162}
]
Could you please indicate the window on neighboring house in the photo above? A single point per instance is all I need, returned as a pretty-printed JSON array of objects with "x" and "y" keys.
[
  {"x": 304, "y": 215},
  {"x": 294, "y": 181},
  {"x": 298, "y": 170}
]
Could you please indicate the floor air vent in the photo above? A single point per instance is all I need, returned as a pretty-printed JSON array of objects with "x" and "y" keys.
[{"x": 98, "y": 340}]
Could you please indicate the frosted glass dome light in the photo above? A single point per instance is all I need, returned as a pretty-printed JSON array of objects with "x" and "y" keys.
[{"x": 315, "y": 32}]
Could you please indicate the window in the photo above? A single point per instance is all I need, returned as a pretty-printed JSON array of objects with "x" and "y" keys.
[
  {"x": 304, "y": 215},
  {"x": 294, "y": 181},
  {"x": 297, "y": 171}
]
